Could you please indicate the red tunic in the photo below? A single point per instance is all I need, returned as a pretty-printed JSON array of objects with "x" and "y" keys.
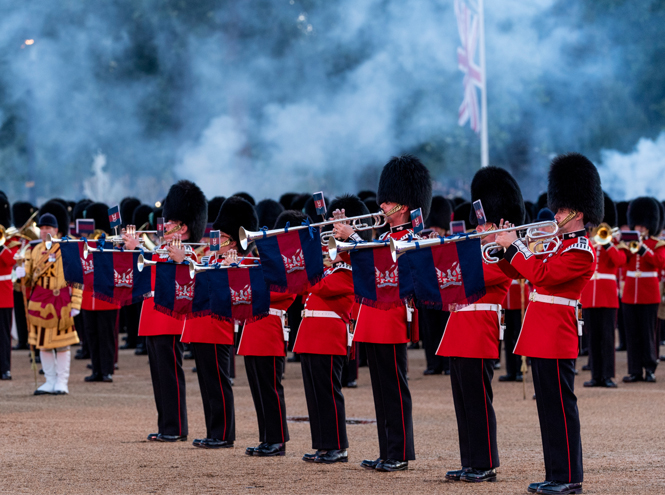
[
  {"x": 153, "y": 322},
  {"x": 475, "y": 334},
  {"x": 265, "y": 337},
  {"x": 550, "y": 330},
  {"x": 601, "y": 291},
  {"x": 377, "y": 326},
  {"x": 514, "y": 296},
  {"x": 90, "y": 303},
  {"x": 334, "y": 293},
  {"x": 639, "y": 286},
  {"x": 6, "y": 287}
]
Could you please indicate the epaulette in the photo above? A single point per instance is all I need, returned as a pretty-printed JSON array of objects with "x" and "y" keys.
[
  {"x": 13, "y": 244},
  {"x": 660, "y": 243},
  {"x": 338, "y": 266},
  {"x": 582, "y": 244}
]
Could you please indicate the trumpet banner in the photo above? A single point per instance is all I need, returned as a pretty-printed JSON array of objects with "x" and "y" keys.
[
  {"x": 175, "y": 291},
  {"x": 447, "y": 274}
]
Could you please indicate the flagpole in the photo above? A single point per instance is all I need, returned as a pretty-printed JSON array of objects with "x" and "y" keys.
[{"x": 484, "y": 146}]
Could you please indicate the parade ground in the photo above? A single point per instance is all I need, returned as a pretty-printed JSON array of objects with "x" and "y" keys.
[{"x": 94, "y": 439}]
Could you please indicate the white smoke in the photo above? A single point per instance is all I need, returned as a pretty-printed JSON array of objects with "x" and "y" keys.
[{"x": 640, "y": 173}]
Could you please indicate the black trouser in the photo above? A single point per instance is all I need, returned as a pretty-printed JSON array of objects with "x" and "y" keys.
[
  {"x": 350, "y": 368},
  {"x": 168, "y": 383},
  {"x": 471, "y": 381},
  {"x": 294, "y": 316},
  {"x": 392, "y": 400},
  {"x": 79, "y": 325},
  {"x": 513, "y": 320},
  {"x": 5, "y": 339},
  {"x": 600, "y": 323},
  {"x": 432, "y": 324},
  {"x": 212, "y": 369},
  {"x": 621, "y": 327},
  {"x": 264, "y": 374},
  {"x": 641, "y": 338},
  {"x": 322, "y": 376},
  {"x": 132, "y": 318},
  {"x": 100, "y": 328},
  {"x": 554, "y": 383},
  {"x": 21, "y": 322}
]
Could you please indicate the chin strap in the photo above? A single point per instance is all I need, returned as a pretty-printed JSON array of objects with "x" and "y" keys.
[{"x": 568, "y": 218}]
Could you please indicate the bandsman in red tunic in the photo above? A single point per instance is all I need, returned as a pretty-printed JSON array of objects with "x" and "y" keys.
[
  {"x": 551, "y": 328},
  {"x": 473, "y": 332},
  {"x": 323, "y": 340},
  {"x": 641, "y": 293},
  {"x": 185, "y": 214},
  {"x": 8, "y": 249},
  {"x": 263, "y": 343},
  {"x": 600, "y": 302},
  {"x": 404, "y": 185}
]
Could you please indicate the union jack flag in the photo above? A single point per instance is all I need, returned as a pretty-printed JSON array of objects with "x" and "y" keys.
[{"x": 468, "y": 27}]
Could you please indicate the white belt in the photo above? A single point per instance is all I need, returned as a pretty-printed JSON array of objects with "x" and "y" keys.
[
  {"x": 277, "y": 312},
  {"x": 515, "y": 282},
  {"x": 561, "y": 301},
  {"x": 306, "y": 313},
  {"x": 485, "y": 307},
  {"x": 5, "y": 277},
  {"x": 150, "y": 294},
  {"x": 641, "y": 274},
  {"x": 285, "y": 329},
  {"x": 604, "y": 276}
]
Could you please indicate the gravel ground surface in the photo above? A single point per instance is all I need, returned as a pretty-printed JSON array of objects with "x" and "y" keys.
[{"x": 94, "y": 439}]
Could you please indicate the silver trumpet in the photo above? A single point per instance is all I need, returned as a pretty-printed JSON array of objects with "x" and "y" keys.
[
  {"x": 141, "y": 263},
  {"x": 378, "y": 220},
  {"x": 335, "y": 247},
  {"x": 50, "y": 241},
  {"x": 87, "y": 250},
  {"x": 539, "y": 240}
]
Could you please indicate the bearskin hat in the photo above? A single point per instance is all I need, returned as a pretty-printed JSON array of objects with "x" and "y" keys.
[
  {"x": 213, "y": 207},
  {"x": 406, "y": 181},
  {"x": 661, "y": 210},
  {"x": 610, "y": 217},
  {"x": 99, "y": 212},
  {"x": 462, "y": 211},
  {"x": 622, "y": 213},
  {"x": 439, "y": 214},
  {"x": 5, "y": 211},
  {"x": 299, "y": 201},
  {"x": 186, "y": 203},
  {"x": 247, "y": 197},
  {"x": 366, "y": 193},
  {"x": 372, "y": 205},
  {"x": 21, "y": 212},
  {"x": 644, "y": 211},
  {"x": 353, "y": 207},
  {"x": 574, "y": 183},
  {"x": 500, "y": 194},
  {"x": 127, "y": 207},
  {"x": 79, "y": 208},
  {"x": 310, "y": 208},
  {"x": 293, "y": 217},
  {"x": 541, "y": 203},
  {"x": 59, "y": 211},
  {"x": 268, "y": 210},
  {"x": 141, "y": 216},
  {"x": 286, "y": 199},
  {"x": 457, "y": 200},
  {"x": 235, "y": 213}
]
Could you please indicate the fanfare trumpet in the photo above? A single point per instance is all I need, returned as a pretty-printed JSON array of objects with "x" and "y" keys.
[
  {"x": 378, "y": 220},
  {"x": 603, "y": 234},
  {"x": 195, "y": 268},
  {"x": 335, "y": 247},
  {"x": 535, "y": 236},
  {"x": 141, "y": 263}
]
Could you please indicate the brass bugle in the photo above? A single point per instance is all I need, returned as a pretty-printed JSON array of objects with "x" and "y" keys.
[
  {"x": 603, "y": 234},
  {"x": 335, "y": 247},
  {"x": 378, "y": 220},
  {"x": 634, "y": 246}
]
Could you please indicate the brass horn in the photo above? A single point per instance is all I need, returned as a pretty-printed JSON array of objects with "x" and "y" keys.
[{"x": 603, "y": 234}]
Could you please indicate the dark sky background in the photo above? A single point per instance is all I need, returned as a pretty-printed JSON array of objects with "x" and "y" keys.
[{"x": 124, "y": 97}]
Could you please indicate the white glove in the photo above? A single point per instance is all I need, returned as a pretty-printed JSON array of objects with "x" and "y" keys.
[
  {"x": 20, "y": 272},
  {"x": 75, "y": 312}
]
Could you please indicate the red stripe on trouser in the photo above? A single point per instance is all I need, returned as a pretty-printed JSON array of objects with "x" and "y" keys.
[
  {"x": 401, "y": 404},
  {"x": 279, "y": 404},
  {"x": 177, "y": 383},
  {"x": 221, "y": 389},
  {"x": 487, "y": 417},
  {"x": 332, "y": 389},
  {"x": 565, "y": 423}
]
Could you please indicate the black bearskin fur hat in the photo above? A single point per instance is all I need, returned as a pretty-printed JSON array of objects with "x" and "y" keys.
[
  {"x": 366, "y": 193},
  {"x": 610, "y": 217},
  {"x": 59, "y": 211},
  {"x": 235, "y": 213},
  {"x": 286, "y": 199},
  {"x": 622, "y": 213},
  {"x": 268, "y": 210},
  {"x": 457, "y": 200},
  {"x": 186, "y": 203},
  {"x": 661, "y": 209},
  {"x": 372, "y": 205},
  {"x": 500, "y": 194},
  {"x": 540, "y": 204},
  {"x": 574, "y": 183},
  {"x": 214, "y": 206},
  {"x": 462, "y": 211},
  {"x": 127, "y": 207},
  {"x": 21, "y": 212},
  {"x": 99, "y": 212},
  {"x": 353, "y": 207},
  {"x": 644, "y": 211},
  {"x": 299, "y": 201},
  {"x": 247, "y": 197},
  {"x": 406, "y": 181},
  {"x": 294, "y": 218},
  {"x": 5, "y": 211},
  {"x": 141, "y": 216},
  {"x": 439, "y": 214},
  {"x": 79, "y": 208}
]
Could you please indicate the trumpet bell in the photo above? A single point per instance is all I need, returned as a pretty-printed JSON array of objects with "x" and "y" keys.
[
  {"x": 141, "y": 263},
  {"x": 49, "y": 241},
  {"x": 634, "y": 246}
]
